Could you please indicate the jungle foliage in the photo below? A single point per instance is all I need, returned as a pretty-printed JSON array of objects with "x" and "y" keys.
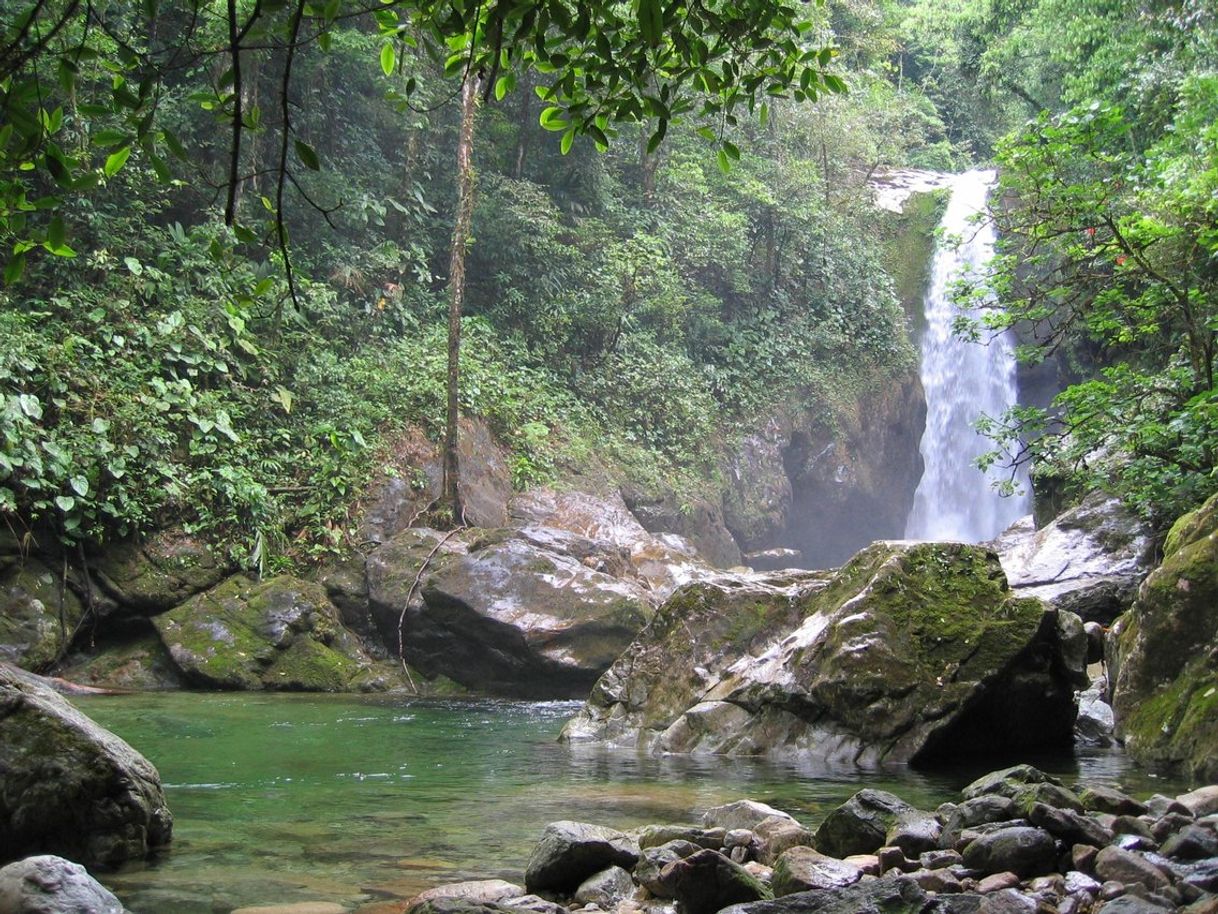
[{"x": 640, "y": 286}]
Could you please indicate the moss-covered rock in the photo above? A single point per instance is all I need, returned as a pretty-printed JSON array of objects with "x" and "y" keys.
[
  {"x": 1165, "y": 692},
  {"x": 69, "y": 787},
  {"x": 131, "y": 656},
  {"x": 910, "y": 652},
  {"x": 282, "y": 633},
  {"x": 157, "y": 573},
  {"x": 38, "y": 614}
]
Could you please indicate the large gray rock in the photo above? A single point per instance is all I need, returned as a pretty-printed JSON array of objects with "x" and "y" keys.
[
  {"x": 698, "y": 521},
  {"x": 911, "y": 651},
  {"x": 282, "y": 633},
  {"x": 53, "y": 885},
  {"x": 513, "y": 619},
  {"x": 1089, "y": 561},
  {"x": 659, "y": 563},
  {"x": 38, "y": 614},
  {"x": 569, "y": 852},
  {"x": 68, "y": 786},
  {"x": 802, "y": 869},
  {"x": 157, "y": 573}
]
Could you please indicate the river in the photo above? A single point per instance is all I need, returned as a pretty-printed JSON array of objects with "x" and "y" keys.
[{"x": 361, "y": 800}]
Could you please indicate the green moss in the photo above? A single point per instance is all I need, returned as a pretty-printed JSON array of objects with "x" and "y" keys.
[
  {"x": 1192, "y": 527},
  {"x": 1178, "y": 725},
  {"x": 309, "y": 666},
  {"x": 909, "y": 243}
]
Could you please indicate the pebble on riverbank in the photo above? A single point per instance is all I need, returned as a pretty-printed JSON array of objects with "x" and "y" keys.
[{"x": 1018, "y": 842}]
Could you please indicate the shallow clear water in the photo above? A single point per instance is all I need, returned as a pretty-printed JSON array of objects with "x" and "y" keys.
[{"x": 363, "y": 800}]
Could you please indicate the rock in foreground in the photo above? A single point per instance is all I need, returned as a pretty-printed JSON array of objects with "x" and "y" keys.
[
  {"x": 983, "y": 858},
  {"x": 53, "y": 885},
  {"x": 908, "y": 651},
  {"x": 70, "y": 787}
]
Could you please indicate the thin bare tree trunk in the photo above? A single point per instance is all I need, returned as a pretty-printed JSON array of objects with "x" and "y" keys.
[{"x": 470, "y": 91}]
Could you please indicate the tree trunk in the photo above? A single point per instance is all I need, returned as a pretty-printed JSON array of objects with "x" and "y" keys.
[{"x": 470, "y": 90}]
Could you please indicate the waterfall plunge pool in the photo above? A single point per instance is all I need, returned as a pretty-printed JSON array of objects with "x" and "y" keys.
[{"x": 363, "y": 801}]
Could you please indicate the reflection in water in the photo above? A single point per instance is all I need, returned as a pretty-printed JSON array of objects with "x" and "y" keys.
[{"x": 281, "y": 798}]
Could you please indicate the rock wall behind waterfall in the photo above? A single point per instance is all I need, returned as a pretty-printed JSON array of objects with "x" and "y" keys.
[{"x": 829, "y": 485}]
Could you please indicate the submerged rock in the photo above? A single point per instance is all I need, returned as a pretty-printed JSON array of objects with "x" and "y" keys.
[
  {"x": 910, "y": 651},
  {"x": 1165, "y": 679},
  {"x": 69, "y": 786}
]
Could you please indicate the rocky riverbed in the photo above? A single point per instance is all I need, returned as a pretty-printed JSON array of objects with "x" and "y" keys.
[{"x": 1017, "y": 842}]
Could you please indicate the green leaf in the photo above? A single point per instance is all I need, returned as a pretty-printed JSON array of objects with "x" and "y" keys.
[
  {"x": 725, "y": 164},
  {"x": 283, "y": 397},
  {"x": 551, "y": 119},
  {"x": 80, "y": 485},
  {"x": 307, "y": 155},
  {"x": 567, "y": 139},
  {"x": 65, "y": 503},
  {"x": 14, "y": 268},
  {"x": 388, "y": 59},
  {"x": 136, "y": 268},
  {"x": 56, "y": 233},
  {"x": 651, "y": 21},
  {"x": 115, "y": 161},
  {"x": 658, "y": 137}
]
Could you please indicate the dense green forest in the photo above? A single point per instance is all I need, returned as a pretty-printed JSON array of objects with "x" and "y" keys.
[{"x": 232, "y": 329}]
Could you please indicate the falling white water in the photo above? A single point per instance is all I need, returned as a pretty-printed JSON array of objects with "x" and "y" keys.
[{"x": 963, "y": 380}]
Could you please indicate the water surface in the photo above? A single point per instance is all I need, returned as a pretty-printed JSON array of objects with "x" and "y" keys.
[{"x": 362, "y": 800}]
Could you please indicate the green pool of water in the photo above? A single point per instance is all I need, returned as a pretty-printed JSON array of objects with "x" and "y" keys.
[{"x": 365, "y": 800}]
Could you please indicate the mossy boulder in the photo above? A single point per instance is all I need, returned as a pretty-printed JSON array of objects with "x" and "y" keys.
[
  {"x": 282, "y": 633},
  {"x": 38, "y": 614},
  {"x": 157, "y": 573},
  {"x": 911, "y": 652},
  {"x": 69, "y": 787},
  {"x": 1165, "y": 682}
]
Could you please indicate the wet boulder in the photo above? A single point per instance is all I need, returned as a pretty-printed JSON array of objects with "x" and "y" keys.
[
  {"x": 1165, "y": 680},
  {"x": 802, "y": 869},
  {"x": 910, "y": 652},
  {"x": 512, "y": 618},
  {"x": 52, "y": 885},
  {"x": 569, "y": 852},
  {"x": 68, "y": 786},
  {"x": 707, "y": 881},
  {"x": 282, "y": 634},
  {"x": 1022, "y": 850},
  {"x": 860, "y": 825},
  {"x": 1089, "y": 560}
]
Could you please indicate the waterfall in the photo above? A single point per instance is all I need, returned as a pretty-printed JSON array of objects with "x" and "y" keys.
[{"x": 963, "y": 380}]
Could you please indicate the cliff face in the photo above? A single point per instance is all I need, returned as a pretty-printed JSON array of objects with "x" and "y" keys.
[{"x": 828, "y": 486}]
